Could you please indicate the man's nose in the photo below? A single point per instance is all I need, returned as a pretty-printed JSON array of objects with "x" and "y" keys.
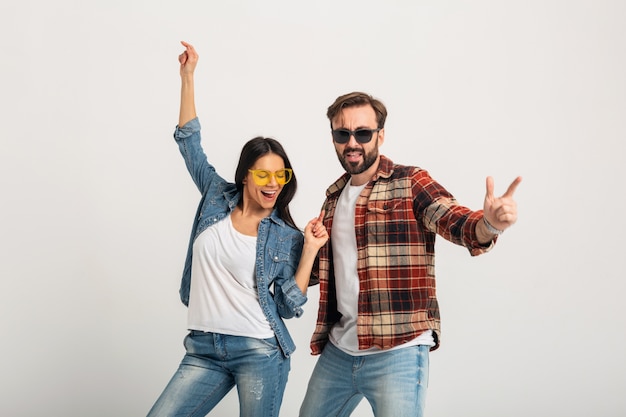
[{"x": 352, "y": 142}]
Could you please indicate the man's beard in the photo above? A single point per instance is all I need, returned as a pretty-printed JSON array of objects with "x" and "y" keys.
[{"x": 355, "y": 168}]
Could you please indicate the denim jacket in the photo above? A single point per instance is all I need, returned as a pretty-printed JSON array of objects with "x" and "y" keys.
[{"x": 278, "y": 246}]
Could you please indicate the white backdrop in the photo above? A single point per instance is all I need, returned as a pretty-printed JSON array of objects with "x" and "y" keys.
[{"x": 97, "y": 205}]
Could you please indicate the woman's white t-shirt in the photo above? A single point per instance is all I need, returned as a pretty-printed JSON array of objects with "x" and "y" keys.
[{"x": 223, "y": 296}]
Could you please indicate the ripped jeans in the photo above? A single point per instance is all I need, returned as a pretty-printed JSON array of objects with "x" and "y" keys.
[{"x": 213, "y": 364}]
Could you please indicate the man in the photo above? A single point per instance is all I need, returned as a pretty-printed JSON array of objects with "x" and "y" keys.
[{"x": 378, "y": 313}]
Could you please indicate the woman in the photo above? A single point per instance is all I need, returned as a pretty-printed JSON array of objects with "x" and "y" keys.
[{"x": 243, "y": 242}]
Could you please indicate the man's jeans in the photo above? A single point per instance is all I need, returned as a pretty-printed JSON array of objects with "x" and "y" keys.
[
  {"x": 394, "y": 383},
  {"x": 213, "y": 364}
]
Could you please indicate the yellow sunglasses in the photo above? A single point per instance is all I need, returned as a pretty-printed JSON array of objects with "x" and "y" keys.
[{"x": 263, "y": 177}]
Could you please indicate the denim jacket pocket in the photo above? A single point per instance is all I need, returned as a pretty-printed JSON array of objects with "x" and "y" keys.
[{"x": 278, "y": 259}]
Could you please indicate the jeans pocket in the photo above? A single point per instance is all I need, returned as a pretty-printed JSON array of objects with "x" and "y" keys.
[{"x": 267, "y": 347}]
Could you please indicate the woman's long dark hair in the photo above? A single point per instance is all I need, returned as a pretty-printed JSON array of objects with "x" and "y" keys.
[{"x": 253, "y": 150}]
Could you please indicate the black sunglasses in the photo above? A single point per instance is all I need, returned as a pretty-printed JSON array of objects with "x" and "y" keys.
[{"x": 360, "y": 135}]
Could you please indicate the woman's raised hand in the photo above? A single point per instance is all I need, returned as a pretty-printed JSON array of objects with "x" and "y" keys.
[{"x": 188, "y": 59}]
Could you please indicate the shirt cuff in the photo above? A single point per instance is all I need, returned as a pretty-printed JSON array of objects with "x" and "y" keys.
[
  {"x": 188, "y": 129},
  {"x": 294, "y": 297}
]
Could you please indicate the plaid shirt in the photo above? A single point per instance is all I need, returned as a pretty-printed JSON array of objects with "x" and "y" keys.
[{"x": 397, "y": 216}]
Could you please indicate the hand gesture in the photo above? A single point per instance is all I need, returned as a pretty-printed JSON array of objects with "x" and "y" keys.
[
  {"x": 315, "y": 234},
  {"x": 501, "y": 212},
  {"x": 188, "y": 59}
]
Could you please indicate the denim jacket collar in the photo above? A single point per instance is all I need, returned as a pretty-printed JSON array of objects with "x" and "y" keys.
[{"x": 233, "y": 196}]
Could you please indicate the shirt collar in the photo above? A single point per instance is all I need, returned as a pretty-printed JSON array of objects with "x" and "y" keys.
[
  {"x": 385, "y": 170},
  {"x": 276, "y": 219},
  {"x": 233, "y": 197}
]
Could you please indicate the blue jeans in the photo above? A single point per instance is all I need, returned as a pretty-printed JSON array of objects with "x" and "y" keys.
[
  {"x": 394, "y": 383},
  {"x": 213, "y": 364}
]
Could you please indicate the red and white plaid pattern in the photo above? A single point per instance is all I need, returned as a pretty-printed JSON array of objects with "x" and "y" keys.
[{"x": 397, "y": 217}]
